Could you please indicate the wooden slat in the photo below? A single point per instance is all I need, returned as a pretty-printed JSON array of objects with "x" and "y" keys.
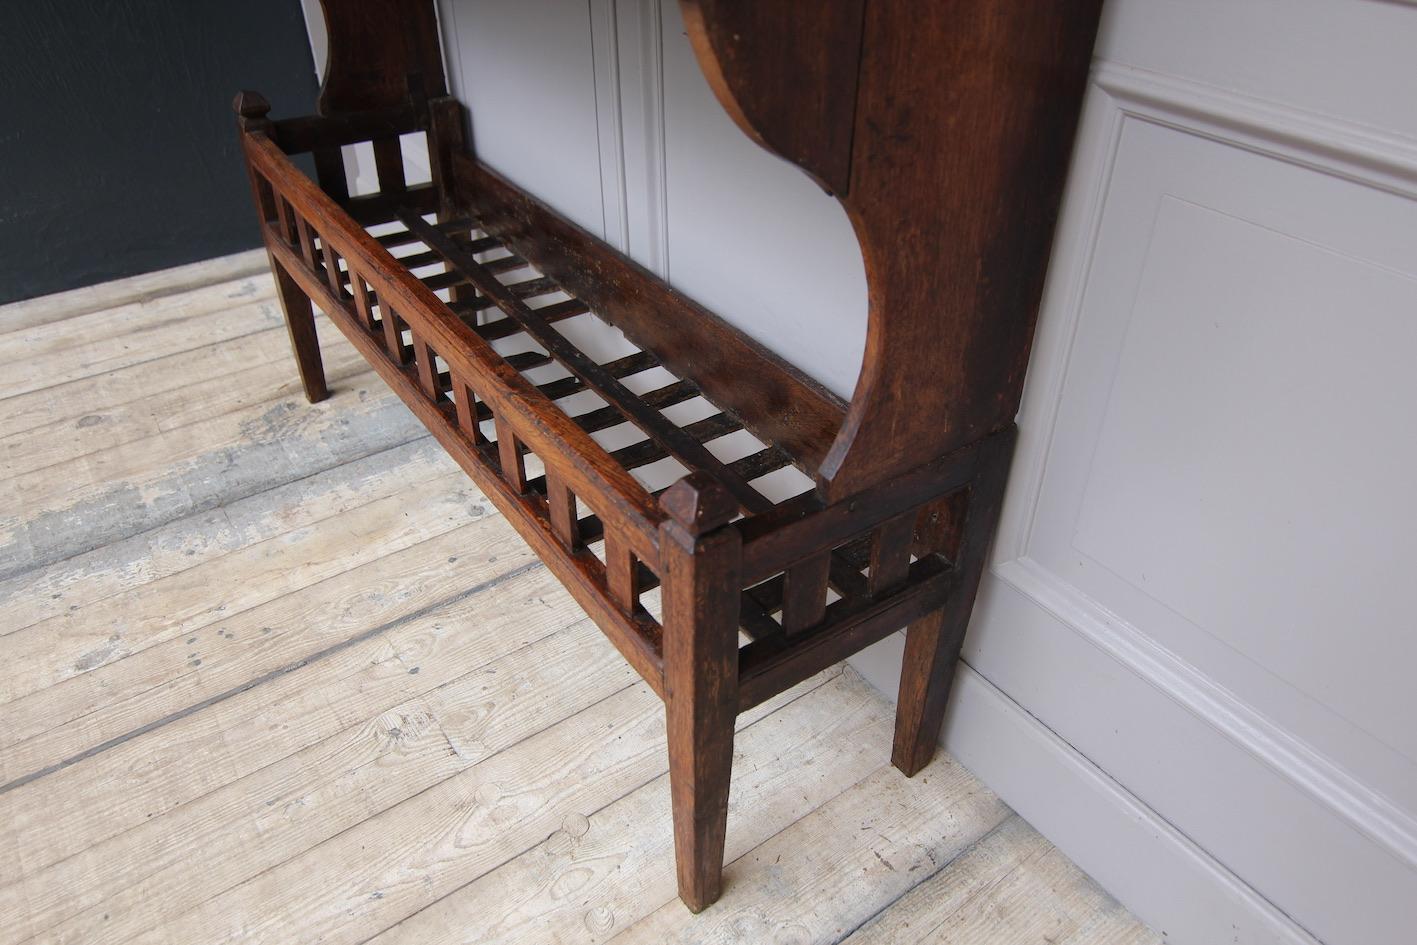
[
  {"x": 764, "y": 461},
  {"x": 776, "y": 402},
  {"x": 679, "y": 444},
  {"x": 636, "y": 637},
  {"x": 620, "y": 367},
  {"x": 890, "y": 553},
  {"x": 388, "y": 164},
  {"x": 773, "y": 541},
  {"x": 649, "y": 451},
  {"x": 373, "y": 209},
  {"x": 506, "y": 327},
  {"x": 603, "y": 418},
  {"x": 308, "y": 133},
  {"x": 429, "y": 257},
  {"x": 620, "y": 576},
  {"x": 510, "y": 454},
  {"x": 562, "y": 505},
  {"x": 332, "y": 270},
  {"x": 405, "y": 238},
  {"x": 769, "y": 666},
  {"x": 804, "y": 595},
  {"x": 362, "y": 305},
  {"x": 329, "y": 170},
  {"x": 305, "y": 238},
  {"x": 427, "y": 368},
  {"x": 393, "y": 336}
]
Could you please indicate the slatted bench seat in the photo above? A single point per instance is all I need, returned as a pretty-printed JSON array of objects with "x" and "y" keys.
[{"x": 732, "y": 526}]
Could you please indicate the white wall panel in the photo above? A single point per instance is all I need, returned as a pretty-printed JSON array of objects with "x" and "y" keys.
[
  {"x": 751, "y": 237},
  {"x": 526, "y": 72}
]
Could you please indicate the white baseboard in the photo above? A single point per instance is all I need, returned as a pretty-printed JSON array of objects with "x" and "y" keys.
[{"x": 1149, "y": 866}]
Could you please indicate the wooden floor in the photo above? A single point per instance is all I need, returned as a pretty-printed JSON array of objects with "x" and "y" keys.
[{"x": 276, "y": 672}]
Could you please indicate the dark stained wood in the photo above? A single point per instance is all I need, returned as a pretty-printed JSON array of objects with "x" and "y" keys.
[
  {"x": 329, "y": 171},
  {"x": 447, "y": 136},
  {"x": 700, "y": 601},
  {"x": 890, "y": 553},
  {"x": 797, "y": 98},
  {"x": 374, "y": 46},
  {"x": 933, "y": 642},
  {"x": 943, "y": 128},
  {"x": 769, "y": 666},
  {"x": 300, "y": 324},
  {"x": 791, "y": 531},
  {"x": 804, "y": 593},
  {"x": 963, "y": 122},
  {"x": 373, "y": 209},
  {"x": 317, "y": 132},
  {"x": 634, "y": 408},
  {"x": 562, "y": 503},
  {"x": 388, "y": 165},
  {"x": 636, "y": 637},
  {"x": 775, "y": 401}
]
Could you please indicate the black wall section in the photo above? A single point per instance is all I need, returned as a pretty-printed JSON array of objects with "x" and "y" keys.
[{"x": 117, "y": 141}]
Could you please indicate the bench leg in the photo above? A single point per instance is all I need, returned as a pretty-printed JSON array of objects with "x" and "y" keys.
[
  {"x": 932, "y": 646},
  {"x": 300, "y": 323},
  {"x": 933, "y": 643},
  {"x": 700, "y": 767},
  {"x": 702, "y": 562}
]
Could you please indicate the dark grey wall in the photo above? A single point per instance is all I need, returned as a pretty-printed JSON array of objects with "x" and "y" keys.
[{"x": 117, "y": 143}]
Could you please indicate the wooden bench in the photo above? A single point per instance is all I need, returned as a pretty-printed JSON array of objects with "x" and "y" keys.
[{"x": 943, "y": 128}]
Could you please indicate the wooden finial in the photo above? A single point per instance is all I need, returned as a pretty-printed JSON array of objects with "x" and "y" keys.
[
  {"x": 251, "y": 105},
  {"x": 699, "y": 503}
]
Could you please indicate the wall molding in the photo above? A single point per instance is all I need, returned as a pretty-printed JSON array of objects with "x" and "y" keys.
[
  {"x": 609, "y": 122},
  {"x": 1346, "y": 150},
  {"x": 626, "y": 39},
  {"x": 1184, "y": 892},
  {"x": 1318, "y": 777},
  {"x": 655, "y": 152}
]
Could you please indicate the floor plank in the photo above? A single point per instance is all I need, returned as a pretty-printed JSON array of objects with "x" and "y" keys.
[
  {"x": 110, "y": 631},
  {"x": 49, "y": 364},
  {"x": 147, "y": 287},
  {"x": 810, "y": 883},
  {"x": 111, "y": 495},
  {"x": 173, "y": 866},
  {"x": 280, "y": 673},
  {"x": 200, "y": 398},
  {"x": 190, "y": 542},
  {"x": 285, "y": 621},
  {"x": 91, "y": 396}
]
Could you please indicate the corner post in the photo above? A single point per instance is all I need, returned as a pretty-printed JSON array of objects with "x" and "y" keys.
[
  {"x": 702, "y": 555},
  {"x": 933, "y": 643},
  {"x": 251, "y": 110}
]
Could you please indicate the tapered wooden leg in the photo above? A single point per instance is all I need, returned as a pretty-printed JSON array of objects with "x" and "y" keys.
[
  {"x": 931, "y": 652},
  {"x": 700, "y": 768},
  {"x": 300, "y": 323},
  {"x": 700, "y": 600},
  {"x": 933, "y": 643}
]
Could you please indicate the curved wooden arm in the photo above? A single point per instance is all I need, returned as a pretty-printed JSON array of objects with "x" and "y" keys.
[{"x": 945, "y": 131}]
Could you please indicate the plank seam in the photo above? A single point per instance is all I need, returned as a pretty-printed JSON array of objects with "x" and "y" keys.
[
  {"x": 267, "y": 677},
  {"x": 610, "y": 803}
]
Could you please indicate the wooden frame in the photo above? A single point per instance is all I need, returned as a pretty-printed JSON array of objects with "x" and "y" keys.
[{"x": 943, "y": 128}]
